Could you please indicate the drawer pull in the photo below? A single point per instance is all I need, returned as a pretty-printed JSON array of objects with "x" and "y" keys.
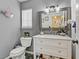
[
  {"x": 41, "y": 41},
  {"x": 59, "y": 51},
  {"x": 41, "y": 48},
  {"x": 59, "y": 43}
]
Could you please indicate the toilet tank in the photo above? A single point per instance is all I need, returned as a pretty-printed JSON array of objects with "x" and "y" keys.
[{"x": 26, "y": 41}]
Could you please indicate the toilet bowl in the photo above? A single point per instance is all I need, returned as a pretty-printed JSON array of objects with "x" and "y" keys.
[{"x": 19, "y": 52}]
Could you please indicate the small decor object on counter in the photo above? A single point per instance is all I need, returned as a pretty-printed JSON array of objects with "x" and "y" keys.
[
  {"x": 26, "y": 34},
  {"x": 41, "y": 32},
  {"x": 42, "y": 56}
]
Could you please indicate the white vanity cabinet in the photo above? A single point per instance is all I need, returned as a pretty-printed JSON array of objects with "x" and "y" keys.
[{"x": 53, "y": 45}]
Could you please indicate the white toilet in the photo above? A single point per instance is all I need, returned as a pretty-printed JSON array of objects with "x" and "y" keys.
[{"x": 19, "y": 52}]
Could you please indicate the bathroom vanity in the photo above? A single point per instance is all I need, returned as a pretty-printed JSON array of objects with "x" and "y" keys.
[{"x": 53, "y": 45}]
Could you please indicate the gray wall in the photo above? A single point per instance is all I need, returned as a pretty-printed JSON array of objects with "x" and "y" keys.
[
  {"x": 38, "y": 5},
  {"x": 9, "y": 28}
]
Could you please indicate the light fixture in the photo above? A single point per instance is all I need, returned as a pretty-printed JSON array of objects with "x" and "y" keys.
[
  {"x": 47, "y": 9},
  {"x": 53, "y": 5},
  {"x": 57, "y": 9},
  {"x": 7, "y": 13},
  {"x": 54, "y": 9}
]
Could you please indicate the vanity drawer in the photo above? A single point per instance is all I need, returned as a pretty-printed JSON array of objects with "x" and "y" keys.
[
  {"x": 52, "y": 42},
  {"x": 58, "y": 52}
]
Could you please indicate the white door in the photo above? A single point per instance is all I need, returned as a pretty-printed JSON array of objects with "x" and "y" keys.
[
  {"x": 75, "y": 17},
  {"x": 77, "y": 28}
]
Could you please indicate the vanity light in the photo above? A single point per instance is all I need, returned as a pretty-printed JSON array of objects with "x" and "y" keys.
[
  {"x": 57, "y": 9},
  {"x": 47, "y": 10},
  {"x": 54, "y": 8}
]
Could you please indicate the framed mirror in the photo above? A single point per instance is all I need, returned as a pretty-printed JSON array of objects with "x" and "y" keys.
[{"x": 56, "y": 21}]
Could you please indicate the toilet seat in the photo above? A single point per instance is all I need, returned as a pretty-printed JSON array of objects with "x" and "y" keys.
[{"x": 17, "y": 51}]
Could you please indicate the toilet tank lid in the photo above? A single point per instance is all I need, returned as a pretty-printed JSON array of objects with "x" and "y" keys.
[
  {"x": 26, "y": 38},
  {"x": 17, "y": 50}
]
